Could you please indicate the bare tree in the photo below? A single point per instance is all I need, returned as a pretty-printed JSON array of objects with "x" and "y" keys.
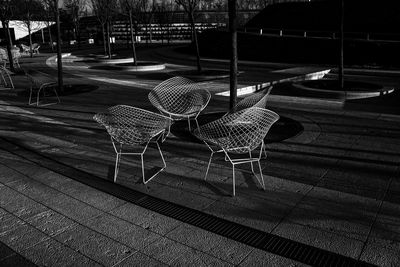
[
  {"x": 129, "y": 6},
  {"x": 341, "y": 38},
  {"x": 165, "y": 11},
  {"x": 47, "y": 16},
  {"x": 6, "y": 12},
  {"x": 190, "y": 7},
  {"x": 76, "y": 9},
  {"x": 147, "y": 8},
  {"x": 28, "y": 11},
  {"x": 104, "y": 10}
]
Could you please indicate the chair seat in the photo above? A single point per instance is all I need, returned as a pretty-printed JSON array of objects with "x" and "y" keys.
[
  {"x": 131, "y": 126},
  {"x": 179, "y": 98}
]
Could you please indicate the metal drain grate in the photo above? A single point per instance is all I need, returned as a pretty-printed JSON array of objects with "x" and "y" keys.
[{"x": 268, "y": 242}]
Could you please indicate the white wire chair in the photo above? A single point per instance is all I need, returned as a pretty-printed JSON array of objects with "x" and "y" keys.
[
  {"x": 238, "y": 133},
  {"x": 180, "y": 98},
  {"x": 25, "y": 49},
  {"x": 15, "y": 56},
  {"x": 40, "y": 83},
  {"x": 258, "y": 99},
  {"x": 35, "y": 48},
  {"x": 5, "y": 74},
  {"x": 133, "y": 128}
]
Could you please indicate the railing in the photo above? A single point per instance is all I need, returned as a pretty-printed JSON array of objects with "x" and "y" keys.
[{"x": 368, "y": 36}]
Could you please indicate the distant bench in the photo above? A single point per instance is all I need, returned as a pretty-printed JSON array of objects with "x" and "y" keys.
[{"x": 41, "y": 82}]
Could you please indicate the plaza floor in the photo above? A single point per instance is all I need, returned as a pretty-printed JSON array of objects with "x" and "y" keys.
[{"x": 332, "y": 178}]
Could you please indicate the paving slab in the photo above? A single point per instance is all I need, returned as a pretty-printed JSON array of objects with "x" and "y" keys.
[
  {"x": 321, "y": 239},
  {"x": 218, "y": 246},
  {"x": 140, "y": 259},
  {"x": 19, "y": 204},
  {"x": 94, "y": 245},
  {"x": 261, "y": 258},
  {"x": 127, "y": 233},
  {"x": 16, "y": 260},
  {"x": 54, "y": 253},
  {"x": 146, "y": 219},
  {"x": 174, "y": 253},
  {"x": 51, "y": 222}
]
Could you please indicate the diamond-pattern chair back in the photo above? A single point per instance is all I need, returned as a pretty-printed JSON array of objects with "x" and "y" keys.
[
  {"x": 179, "y": 97},
  {"x": 239, "y": 132},
  {"x": 132, "y": 126}
]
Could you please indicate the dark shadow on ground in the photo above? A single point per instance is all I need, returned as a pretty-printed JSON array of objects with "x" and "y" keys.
[
  {"x": 105, "y": 67},
  {"x": 154, "y": 75},
  {"x": 283, "y": 129},
  {"x": 388, "y": 103},
  {"x": 204, "y": 75},
  {"x": 69, "y": 89}
]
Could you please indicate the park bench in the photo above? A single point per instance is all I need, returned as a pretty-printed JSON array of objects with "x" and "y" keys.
[{"x": 41, "y": 83}]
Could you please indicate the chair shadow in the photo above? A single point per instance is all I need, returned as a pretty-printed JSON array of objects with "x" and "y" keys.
[{"x": 283, "y": 129}]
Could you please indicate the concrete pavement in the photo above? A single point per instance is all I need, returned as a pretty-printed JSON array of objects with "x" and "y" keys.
[{"x": 332, "y": 179}]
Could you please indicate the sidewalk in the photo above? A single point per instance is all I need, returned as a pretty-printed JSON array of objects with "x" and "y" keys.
[{"x": 331, "y": 178}]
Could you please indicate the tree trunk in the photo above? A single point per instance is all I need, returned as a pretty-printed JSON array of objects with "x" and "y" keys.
[
  {"x": 9, "y": 46},
  {"x": 104, "y": 39},
  {"x": 341, "y": 38},
  {"x": 132, "y": 38},
  {"x": 195, "y": 41},
  {"x": 30, "y": 38},
  {"x": 50, "y": 37},
  {"x": 233, "y": 54},
  {"x": 59, "y": 58},
  {"x": 108, "y": 40}
]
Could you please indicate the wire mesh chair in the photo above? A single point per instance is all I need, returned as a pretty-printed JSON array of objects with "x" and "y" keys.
[
  {"x": 4, "y": 73},
  {"x": 180, "y": 98},
  {"x": 15, "y": 57},
  {"x": 35, "y": 48},
  {"x": 258, "y": 100},
  {"x": 133, "y": 128},
  {"x": 238, "y": 133},
  {"x": 25, "y": 49},
  {"x": 40, "y": 82}
]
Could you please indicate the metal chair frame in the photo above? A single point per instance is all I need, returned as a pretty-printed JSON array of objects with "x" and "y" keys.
[
  {"x": 39, "y": 83},
  {"x": 6, "y": 73},
  {"x": 238, "y": 133},
  {"x": 257, "y": 99},
  {"x": 127, "y": 127},
  {"x": 180, "y": 98},
  {"x": 119, "y": 154}
]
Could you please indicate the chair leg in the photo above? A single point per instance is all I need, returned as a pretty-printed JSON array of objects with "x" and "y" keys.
[
  {"x": 117, "y": 161},
  {"x": 190, "y": 129},
  {"x": 251, "y": 163},
  {"x": 154, "y": 175},
  {"x": 30, "y": 96},
  {"x": 208, "y": 166},
  {"x": 261, "y": 181},
  {"x": 233, "y": 179},
  {"x": 55, "y": 91}
]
